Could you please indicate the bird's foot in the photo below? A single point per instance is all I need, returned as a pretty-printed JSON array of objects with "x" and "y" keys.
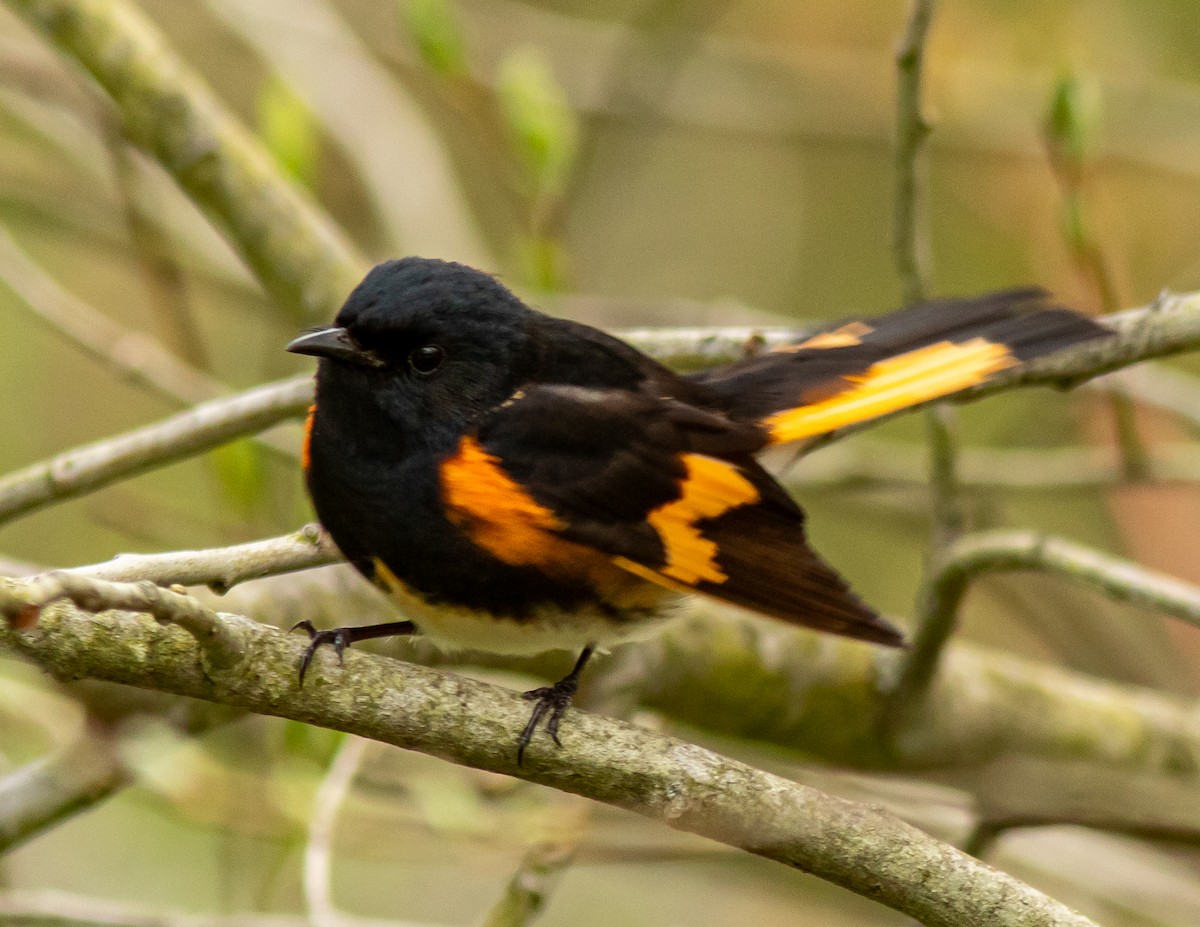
[
  {"x": 553, "y": 700},
  {"x": 340, "y": 638},
  {"x": 550, "y": 700}
]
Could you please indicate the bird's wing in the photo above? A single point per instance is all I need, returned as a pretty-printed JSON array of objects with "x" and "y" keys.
[
  {"x": 861, "y": 370},
  {"x": 663, "y": 490}
]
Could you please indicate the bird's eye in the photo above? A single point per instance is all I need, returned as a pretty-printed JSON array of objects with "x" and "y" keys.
[{"x": 426, "y": 359}]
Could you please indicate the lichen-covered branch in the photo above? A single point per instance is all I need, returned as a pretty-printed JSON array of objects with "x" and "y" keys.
[
  {"x": 295, "y": 250},
  {"x": 762, "y": 681},
  {"x": 862, "y": 848},
  {"x": 23, "y": 604},
  {"x": 199, "y": 429},
  {"x": 975, "y": 555}
]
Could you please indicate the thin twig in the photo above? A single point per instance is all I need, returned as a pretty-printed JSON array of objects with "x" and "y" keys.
[
  {"x": 975, "y": 555},
  {"x": 910, "y": 242},
  {"x": 59, "y": 909},
  {"x": 297, "y": 252},
  {"x": 222, "y": 568},
  {"x": 912, "y": 129},
  {"x": 527, "y": 891},
  {"x": 36, "y": 797},
  {"x": 133, "y": 355},
  {"x": 869, "y": 464},
  {"x": 860, "y": 847},
  {"x": 318, "y": 851},
  {"x": 1156, "y": 385},
  {"x": 1169, "y": 327},
  {"x": 92, "y": 466}
]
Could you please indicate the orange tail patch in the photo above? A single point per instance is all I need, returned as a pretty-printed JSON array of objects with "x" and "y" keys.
[{"x": 893, "y": 384}]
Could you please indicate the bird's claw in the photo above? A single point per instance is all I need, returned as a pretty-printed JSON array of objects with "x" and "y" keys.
[
  {"x": 338, "y": 637},
  {"x": 553, "y": 699}
]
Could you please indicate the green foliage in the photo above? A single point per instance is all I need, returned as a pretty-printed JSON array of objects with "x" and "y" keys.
[
  {"x": 241, "y": 471},
  {"x": 434, "y": 29},
  {"x": 1071, "y": 120},
  {"x": 289, "y": 131},
  {"x": 541, "y": 125}
]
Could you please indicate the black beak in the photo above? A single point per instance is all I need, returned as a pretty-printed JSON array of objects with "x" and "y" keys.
[{"x": 336, "y": 344}]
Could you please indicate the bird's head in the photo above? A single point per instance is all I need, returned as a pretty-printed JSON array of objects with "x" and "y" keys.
[{"x": 423, "y": 346}]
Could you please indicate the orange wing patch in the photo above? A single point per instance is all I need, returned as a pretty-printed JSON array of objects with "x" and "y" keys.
[
  {"x": 493, "y": 509},
  {"x": 306, "y": 444},
  {"x": 711, "y": 488},
  {"x": 894, "y": 384},
  {"x": 496, "y": 513},
  {"x": 847, "y": 336}
]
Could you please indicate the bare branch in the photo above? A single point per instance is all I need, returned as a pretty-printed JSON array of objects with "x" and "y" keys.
[
  {"x": 92, "y": 466},
  {"x": 40, "y": 795},
  {"x": 222, "y": 568},
  {"x": 912, "y": 129},
  {"x": 526, "y": 892},
  {"x": 134, "y": 355},
  {"x": 59, "y": 909},
  {"x": 1170, "y": 327},
  {"x": 975, "y": 555},
  {"x": 862, "y": 848},
  {"x": 293, "y": 248},
  {"x": 318, "y": 851},
  {"x": 1159, "y": 386},
  {"x": 868, "y": 463}
]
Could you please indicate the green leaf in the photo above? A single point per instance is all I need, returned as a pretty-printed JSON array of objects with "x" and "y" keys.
[
  {"x": 434, "y": 29},
  {"x": 1071, "y": 119},
  {"x": 241, "y": 470},
  {"x": 543, "y": 128},
  {"x": 289, "y": 131}
]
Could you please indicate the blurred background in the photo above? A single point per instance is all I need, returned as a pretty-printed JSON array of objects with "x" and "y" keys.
[{"x": 629, "y": 162}]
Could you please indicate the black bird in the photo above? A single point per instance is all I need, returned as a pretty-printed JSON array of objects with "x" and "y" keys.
[{"x": 521, "y": 483}]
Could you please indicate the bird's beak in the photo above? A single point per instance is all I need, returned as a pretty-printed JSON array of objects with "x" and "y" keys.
[{"x": 336, "y": 344}]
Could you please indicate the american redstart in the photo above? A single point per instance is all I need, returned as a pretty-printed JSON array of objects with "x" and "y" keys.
[{"x": 521, "y": 483}]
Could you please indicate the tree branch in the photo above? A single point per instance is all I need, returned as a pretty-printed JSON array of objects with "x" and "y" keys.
[
  {"x": 862, "y": 848},
  {"x": 1168, "y": 327},
  {"x": 222, "y": 568},
  {"x": 296, "y": 251},
  {"x": 59, "y": 909},
  {"x": 199, "y": 429},
  {"x": 217, "y": 639},
  {"x": 766, "y": 682},
  {"x": 912, "y": 130},
  {"x": 977, "y": 554},
  {"x": 40, "y": 795}
]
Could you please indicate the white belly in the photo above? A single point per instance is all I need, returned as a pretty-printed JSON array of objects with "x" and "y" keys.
[{"x": 547, "y": 629}]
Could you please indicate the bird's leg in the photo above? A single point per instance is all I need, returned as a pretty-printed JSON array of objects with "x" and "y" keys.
[
  {"x": 341, "y": 638},
  {"x": 553, "y": 699}
]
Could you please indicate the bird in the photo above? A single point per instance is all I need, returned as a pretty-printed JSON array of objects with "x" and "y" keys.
[{"x": 519, "y": 483}]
